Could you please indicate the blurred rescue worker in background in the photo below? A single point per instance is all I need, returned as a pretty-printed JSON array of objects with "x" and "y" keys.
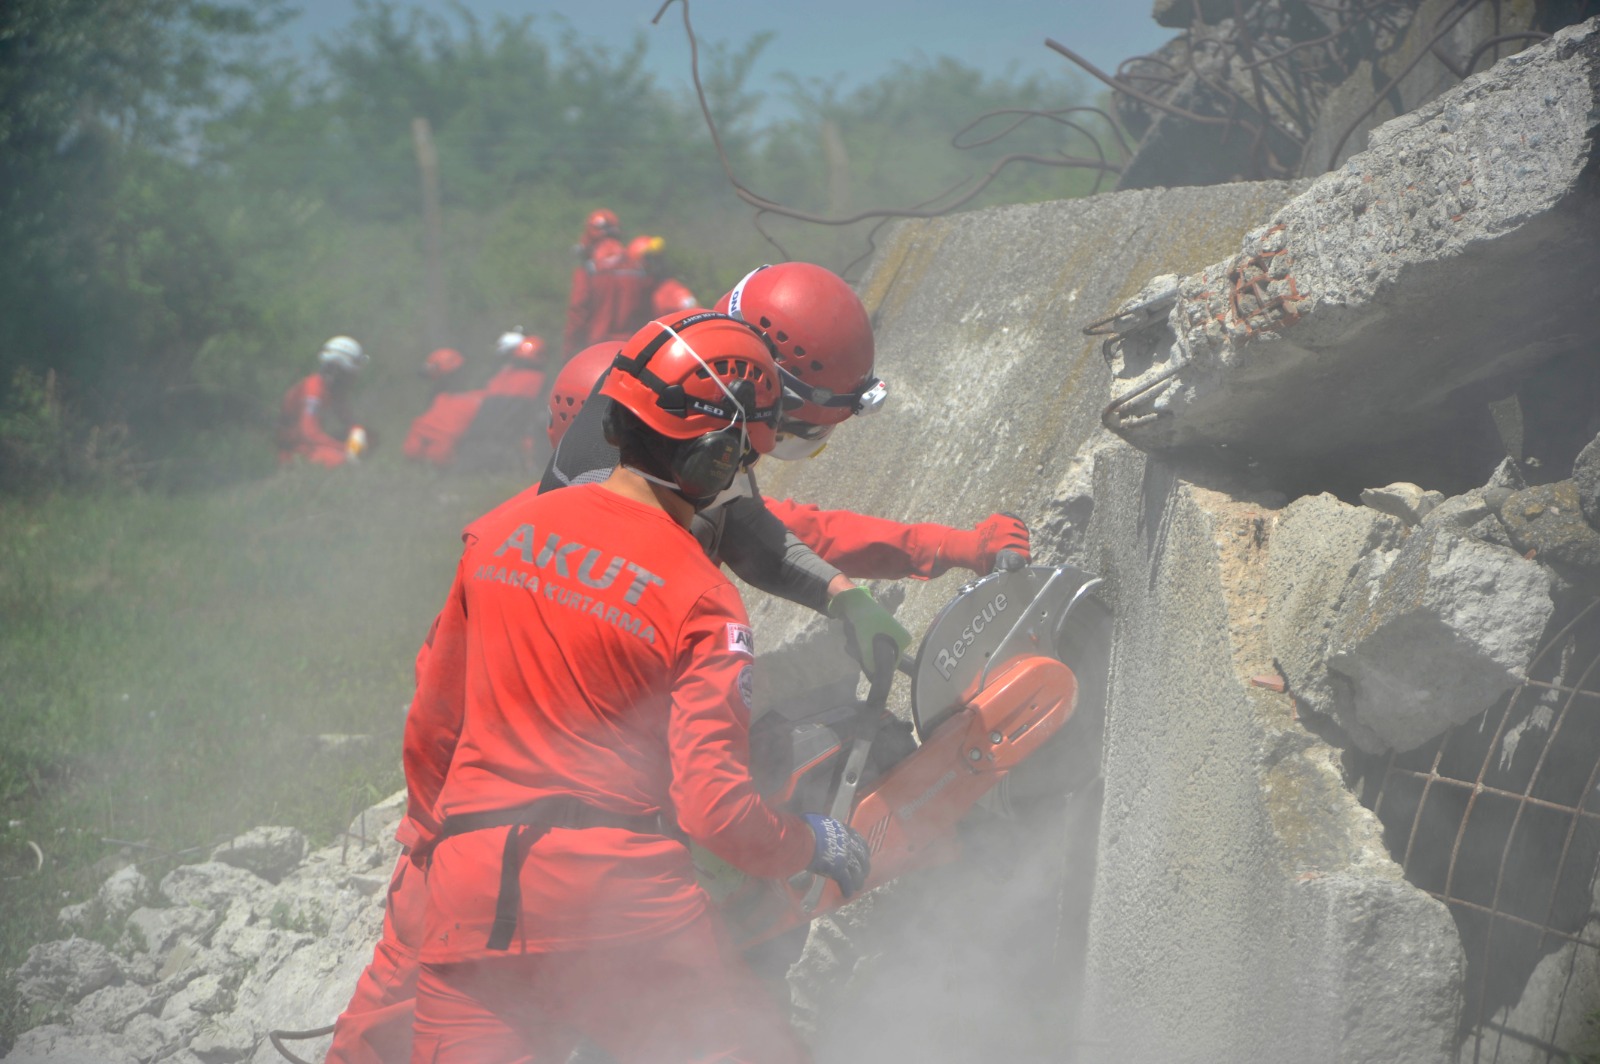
[
  {"x": 582, "y": 714},
  {"x": 604, "y": 288},
  {"x": 657, "y": 293},
  {"x": 504, "y": 434},
  {"x": 315, "y": 421},
  {"x": 437, "y": 430}
]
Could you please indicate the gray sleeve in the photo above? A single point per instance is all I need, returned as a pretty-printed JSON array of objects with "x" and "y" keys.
[{"x": 766, "y": 555}]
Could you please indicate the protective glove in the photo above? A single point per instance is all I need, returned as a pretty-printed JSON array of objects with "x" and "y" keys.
[
  {"x": 842, "y": 854},
  {"x": 865, "y": 622},
  {"x": 977, "y": 549}
]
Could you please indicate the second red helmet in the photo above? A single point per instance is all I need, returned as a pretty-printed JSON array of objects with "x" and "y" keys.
[
  {"x": 821, "y": 336},
  {"x": 573, "y": 385}
]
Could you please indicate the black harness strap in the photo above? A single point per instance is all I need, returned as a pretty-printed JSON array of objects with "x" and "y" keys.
[{"x": 529, "y": 823}]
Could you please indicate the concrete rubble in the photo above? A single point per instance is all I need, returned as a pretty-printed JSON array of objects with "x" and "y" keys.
[
  {"x": 1219, "y": 893},
  {"x": 216, "y": 955},
  {"x": 1368, "y": 285}
]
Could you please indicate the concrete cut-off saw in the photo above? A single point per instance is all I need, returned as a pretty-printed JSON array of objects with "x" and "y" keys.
[{"x": 1008, "y": 691}]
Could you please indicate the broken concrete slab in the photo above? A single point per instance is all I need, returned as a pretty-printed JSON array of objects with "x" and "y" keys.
[
  {"x": 1432, "y": 634},
  {"x": 62, "y": 973},
  {"x": 269, "y": 852},
  {"x": 1402, "y": 499},
  {"x": 1547, "y": 524},
  {"x": 1368, "y": 285},
  {"x": 1314, "y": 550},
  {"x": 1586, "y": 478},
  {"x": 1215, "y": 795}
]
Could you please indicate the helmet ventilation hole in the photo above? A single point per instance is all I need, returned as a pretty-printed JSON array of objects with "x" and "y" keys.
[{"x": 815, "y": 364}]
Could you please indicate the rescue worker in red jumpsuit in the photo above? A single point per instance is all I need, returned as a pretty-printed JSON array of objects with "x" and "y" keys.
[
  {"x": 820, "y": 317},
  {"x": 437, "y": 430},
  {"x": 658, "y": 293},
  {"x": 315, "y": 422},
  {"x": 604, "y": 288},
  {"x": 581, "y": 715},
  {"x": 504, "y": 433}
]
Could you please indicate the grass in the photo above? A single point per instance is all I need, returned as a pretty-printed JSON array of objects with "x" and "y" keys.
[{"x": 166, "y": 664}]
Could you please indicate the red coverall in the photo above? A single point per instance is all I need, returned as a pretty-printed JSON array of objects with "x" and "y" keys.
[
  {"x": 620, "y": 676},
  {"x": 437, "y": 430},
  {"x": 375, "y": 1027},
  {"x": 301, "y": 421},
  {"x": 606, "y": 293}
]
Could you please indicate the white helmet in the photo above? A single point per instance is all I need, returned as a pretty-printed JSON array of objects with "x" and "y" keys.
[
  {"x": 343, "y": 353},
  {"x": 509, "y": 342}
]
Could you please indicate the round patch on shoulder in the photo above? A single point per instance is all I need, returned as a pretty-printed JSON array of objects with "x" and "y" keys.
[{"x": 747, "y": 685}]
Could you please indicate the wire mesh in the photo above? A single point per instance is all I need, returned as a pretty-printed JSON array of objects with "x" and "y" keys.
[{"x": 1500, "y": 820}]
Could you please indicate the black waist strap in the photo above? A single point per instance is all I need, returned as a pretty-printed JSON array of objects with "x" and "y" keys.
[{"x": 529, "y": 823}]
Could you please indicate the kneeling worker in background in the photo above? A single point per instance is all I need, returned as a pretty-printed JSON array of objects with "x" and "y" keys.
[
  {"x": 315, "y": 420},
  {"x": 437, "y": 430},
  {"x": 582, "y": 713}
]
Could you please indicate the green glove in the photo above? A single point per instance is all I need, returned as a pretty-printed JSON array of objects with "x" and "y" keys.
[{"x": 864, "y": 622}]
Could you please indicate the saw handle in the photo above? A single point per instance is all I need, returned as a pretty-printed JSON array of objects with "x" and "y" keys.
[
  {"x": 886, "y": 660},
  {"x": 1008, "y": 561}
]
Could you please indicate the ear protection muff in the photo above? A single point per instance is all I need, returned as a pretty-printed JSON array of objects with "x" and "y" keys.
[{"x": 705, "y": 466}]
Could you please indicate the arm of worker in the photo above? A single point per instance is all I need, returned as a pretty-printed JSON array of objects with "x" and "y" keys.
[
  {"x": 433, "y": 725},
  {"x": 708, "y": 737},
  {"x": 876, "y": 548},
  {"x": 768, "y": 556},
  {"x": 314, "y": 409}
]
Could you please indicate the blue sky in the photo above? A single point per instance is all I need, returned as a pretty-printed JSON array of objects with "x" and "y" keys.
[{"x": 846, "y": 40}]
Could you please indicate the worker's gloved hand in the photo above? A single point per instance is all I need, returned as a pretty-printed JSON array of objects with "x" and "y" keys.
[
  {"x": 842, "y": 854},
  {"x": 977, "y": 549},
  {"x": 864, "y": 623}
]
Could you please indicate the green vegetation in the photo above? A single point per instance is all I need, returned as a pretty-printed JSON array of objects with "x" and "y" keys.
[
  {"x": 167, "y": 664},
  {"x": 186, "y": 222}
]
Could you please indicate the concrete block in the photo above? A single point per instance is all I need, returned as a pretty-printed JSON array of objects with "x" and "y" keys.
[
  {"x": 1406, "y": 501},
  {"x": 1547, "y": 523},
  {"x": 212, "y": 885},
  {"x": 1460, "y": 512},
  {"x": 1586, "y": 478},
  {"x": 1315, "y": 548},
  {"x": 64, "y": 972},
  {"x": 1369, "y": 285},
  {"x": 58, "y": 1044},
  {"x": 1432, "y": 635},
  {"x": 269, "y": 852}
]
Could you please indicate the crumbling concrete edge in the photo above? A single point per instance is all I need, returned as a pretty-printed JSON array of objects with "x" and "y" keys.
[{"x": 1355, "y": 963}]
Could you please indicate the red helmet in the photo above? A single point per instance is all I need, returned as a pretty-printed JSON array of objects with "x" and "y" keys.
[
  {"x": 600, "y": 223},
  {"x": 442, "y": 363},
  {"x": 574, "y": 383},
  {"x": 820, "y": 334},
  {"x": 530, "y": 350},
  {"x": 641, "y": 248},
  {"x": 663, "y": 374}
]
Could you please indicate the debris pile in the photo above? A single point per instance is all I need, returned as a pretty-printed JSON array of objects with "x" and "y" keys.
[{"x": 198, "y": 967}]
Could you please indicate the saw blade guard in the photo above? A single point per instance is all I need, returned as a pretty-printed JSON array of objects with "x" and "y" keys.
[{"x": 990, "y": 624}]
